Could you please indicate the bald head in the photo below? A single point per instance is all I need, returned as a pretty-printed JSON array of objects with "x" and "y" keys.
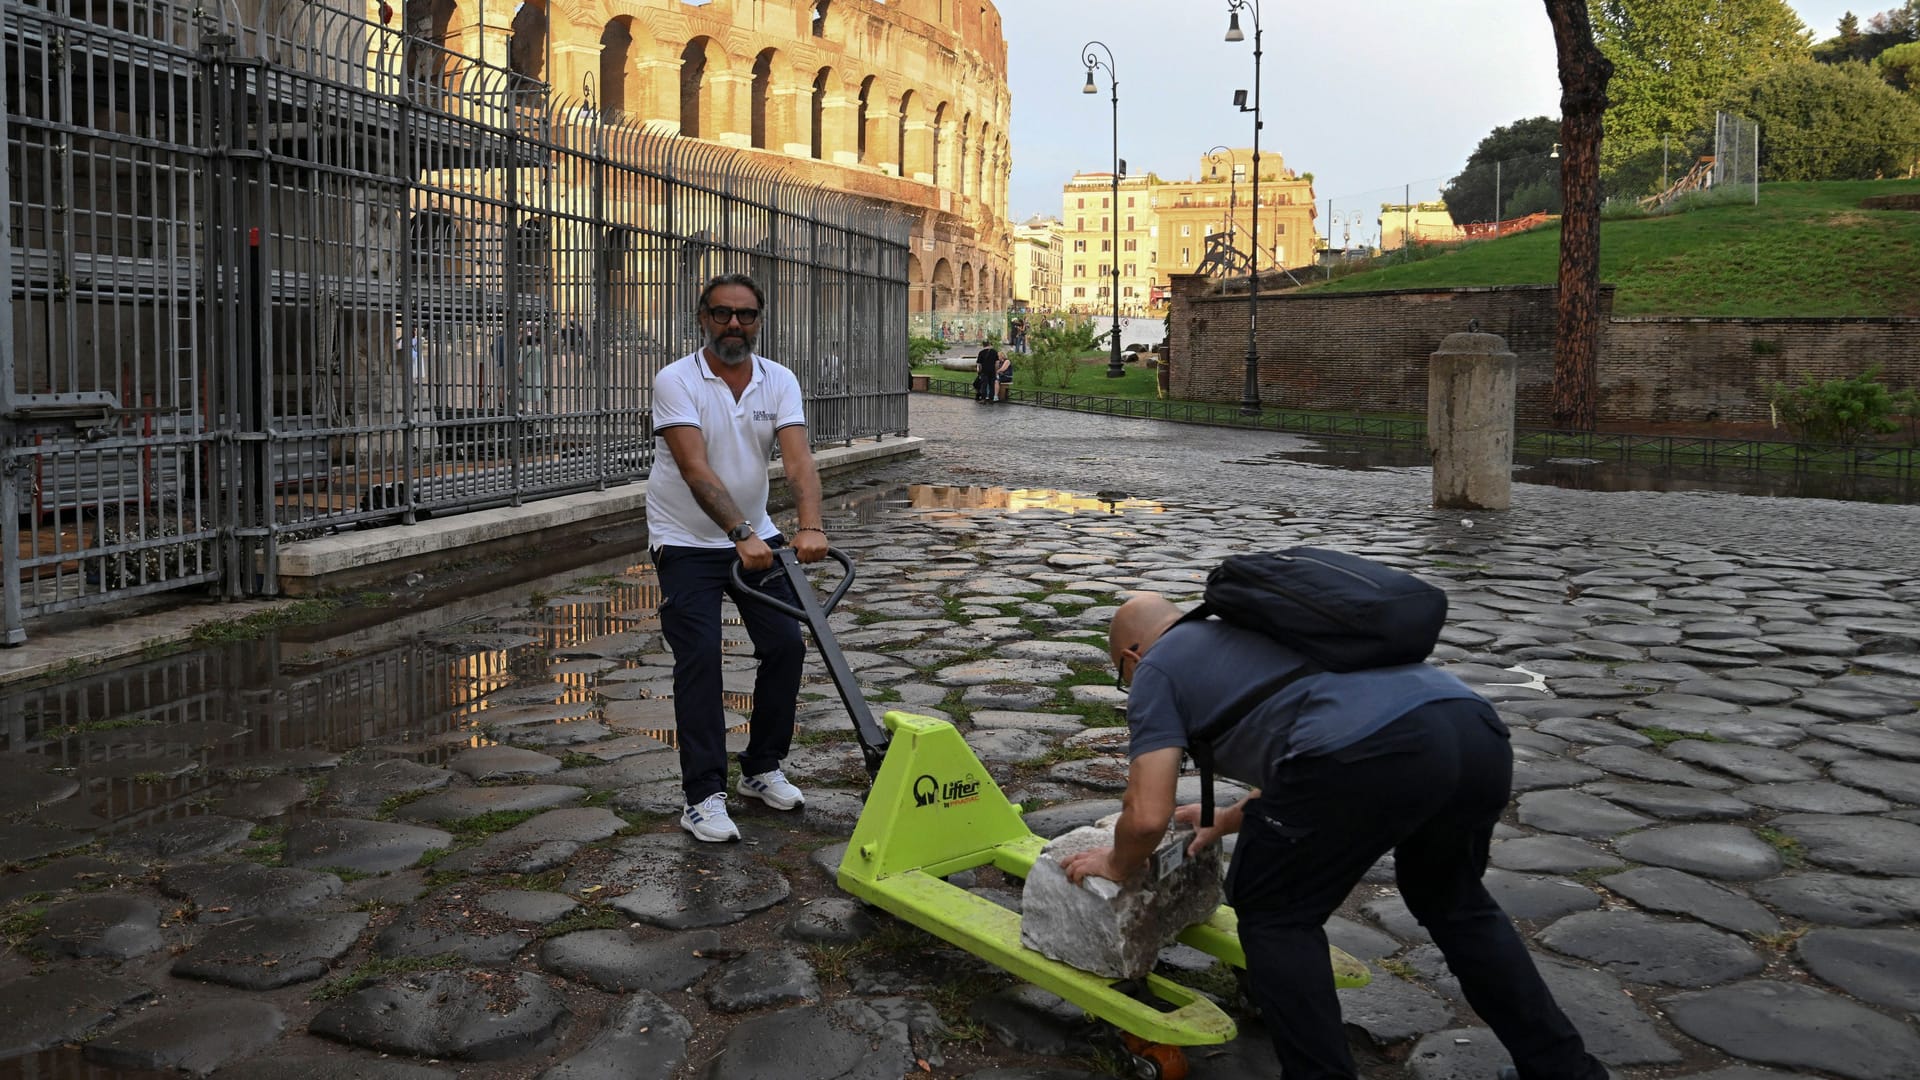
[{"x": 1137, "y": 624}]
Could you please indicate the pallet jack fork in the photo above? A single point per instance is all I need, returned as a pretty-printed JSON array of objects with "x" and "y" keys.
[{"x": 934, "y": 811}]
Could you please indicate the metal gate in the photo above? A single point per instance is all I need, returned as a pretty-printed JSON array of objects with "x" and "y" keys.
[{"x": 279, "y": 276}]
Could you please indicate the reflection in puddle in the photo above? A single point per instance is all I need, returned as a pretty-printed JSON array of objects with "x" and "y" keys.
[
  {"x": 175, "y": 736},
  {"x": 1590, "y": 474},
  {"x": 954, "y": 497}
]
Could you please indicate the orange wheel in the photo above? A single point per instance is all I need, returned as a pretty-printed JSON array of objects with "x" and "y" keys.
[{"x": 1157, "y": 1060}]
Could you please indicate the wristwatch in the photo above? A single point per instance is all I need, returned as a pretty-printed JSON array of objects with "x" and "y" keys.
[{"x": 740, "y": 532}]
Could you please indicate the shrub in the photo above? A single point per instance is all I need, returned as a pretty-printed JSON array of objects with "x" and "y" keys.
[
  {"x": 922, "y": 349},
  {"x": 1840, "y": 411},
  {"x": 1907, "y": 404},
  {"x": 1056, "y": 346}
]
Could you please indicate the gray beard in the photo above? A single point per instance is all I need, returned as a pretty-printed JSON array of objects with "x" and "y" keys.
[{"x": 732, "y": 351}]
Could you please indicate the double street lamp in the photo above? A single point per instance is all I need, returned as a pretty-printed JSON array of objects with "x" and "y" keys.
[
  {"x": 1092, "y": 59},
  {"x": 1250, "y": 394}
]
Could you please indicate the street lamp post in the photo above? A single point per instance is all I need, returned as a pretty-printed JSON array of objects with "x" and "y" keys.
[
  {"x": 1250, "y": 394},
  {"x": 1092, "y": 59}
]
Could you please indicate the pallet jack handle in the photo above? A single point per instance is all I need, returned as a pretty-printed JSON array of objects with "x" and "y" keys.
[{"x": 873, "y": 738}]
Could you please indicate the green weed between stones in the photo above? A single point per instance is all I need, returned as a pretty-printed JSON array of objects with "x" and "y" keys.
[
  {"x": 1217, "y": 982},
  {"x": 375, "y": 970},
  {"x": 1792, "y": 853},
  {"x": 641, "y": 821},
  {"x": 1597, "y": 875},
  {"x": 66, "y": 669},
  {"x": 821, "y": 736},
  {"x": 591, "y": 918},
  {"x": 1782, "y": 941},
  {"x": 347, "y": 875},
  {"x": 574, "y": 759},
  {"x": 954, "y": 998},
  {"x": 1059, "y": 754},
  {"x": 308, "y": 612},
  {"x": 1399, "y": 969},
  {"x": 830, "y": 962},
  {"x": 390, "y": 805},
  {"x": 1665, "y": 737},
  {"x": 19, "y": 926}
]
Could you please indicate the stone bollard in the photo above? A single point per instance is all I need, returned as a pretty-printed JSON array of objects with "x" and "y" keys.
[{"x": 1470, "y": 421}]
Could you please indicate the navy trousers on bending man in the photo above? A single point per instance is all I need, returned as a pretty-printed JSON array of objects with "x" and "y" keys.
[
  {"x": 692, "y": 581},
  {"x": 1428, "y": 787}
]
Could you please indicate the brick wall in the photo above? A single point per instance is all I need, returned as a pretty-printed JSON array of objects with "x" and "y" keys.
[
  {"x": 1367, "y": 352},
  {"x": 1720, "y": 369}
]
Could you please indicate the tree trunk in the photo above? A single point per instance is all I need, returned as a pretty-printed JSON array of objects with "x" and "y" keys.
[{"x": 1583, "y": 101}]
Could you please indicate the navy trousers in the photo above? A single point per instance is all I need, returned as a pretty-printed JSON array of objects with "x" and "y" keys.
[
  {"x": 692, "y": 581},
  {"x": 1428, "y": 787}
]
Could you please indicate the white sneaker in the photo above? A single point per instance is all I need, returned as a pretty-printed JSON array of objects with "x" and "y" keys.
[
  {"x": 707, "y": 820},
  {"x": 771, "y": 788}
]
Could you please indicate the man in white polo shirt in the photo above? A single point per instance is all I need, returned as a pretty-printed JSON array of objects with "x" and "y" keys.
[{"x": 718, "y": 413}]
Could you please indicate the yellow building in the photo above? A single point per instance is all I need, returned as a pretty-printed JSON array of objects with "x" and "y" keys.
[
  {"x": 1427, "y": 222},
  {"x": 1037, "y": 264},
  {"x": 1221, "y": 201},
  {"x": 1088, "y": 220},
  {"x": 1164, "y": 226},
  {"x": 900, "y": 100}
]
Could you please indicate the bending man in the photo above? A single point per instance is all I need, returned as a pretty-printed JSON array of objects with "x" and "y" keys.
[{"x": 1346, "y": 767}]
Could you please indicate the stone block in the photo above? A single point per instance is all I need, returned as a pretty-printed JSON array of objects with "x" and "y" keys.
[{"x": 1103, "y": 927}]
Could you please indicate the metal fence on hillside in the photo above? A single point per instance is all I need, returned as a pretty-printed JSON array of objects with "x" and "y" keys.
[{"x": 272, "y": 276}]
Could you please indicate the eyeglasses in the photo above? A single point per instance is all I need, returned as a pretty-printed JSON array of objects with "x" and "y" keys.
[
  {"x": 723, "y": 315},
  {"x": 1120, "y": 681}
]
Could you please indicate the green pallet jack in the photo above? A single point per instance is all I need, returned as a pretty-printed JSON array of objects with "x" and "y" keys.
[{"x": 934, "y": 810}]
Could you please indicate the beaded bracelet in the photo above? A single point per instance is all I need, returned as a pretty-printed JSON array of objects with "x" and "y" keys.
[{"x": 809, "y": 528}]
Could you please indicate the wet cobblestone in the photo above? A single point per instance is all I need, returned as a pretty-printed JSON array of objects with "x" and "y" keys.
[{"x": 1715, "y": 703}]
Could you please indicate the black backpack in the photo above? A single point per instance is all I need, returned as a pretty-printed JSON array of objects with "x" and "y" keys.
[{"x": 1339, "y": 611}]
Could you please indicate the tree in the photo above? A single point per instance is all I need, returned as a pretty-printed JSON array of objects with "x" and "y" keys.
[
  {"x": 1674, "y": 59},
  {"x": 1522, "y": 150},
  {"x": 1830, "y": 122},
  {"x": 1584, "y": 71},
  {"x": 1900, "y": 67},
  {"x": 1883, "y": 31}
]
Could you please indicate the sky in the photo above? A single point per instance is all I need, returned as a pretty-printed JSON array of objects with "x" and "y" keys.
[{"x": 1371, "y": 96}]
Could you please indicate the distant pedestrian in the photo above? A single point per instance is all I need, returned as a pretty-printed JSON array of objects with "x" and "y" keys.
[{"x": 533, "y": 369}]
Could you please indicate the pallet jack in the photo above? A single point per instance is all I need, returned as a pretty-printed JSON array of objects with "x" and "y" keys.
[{"x": 933, "y": 810}]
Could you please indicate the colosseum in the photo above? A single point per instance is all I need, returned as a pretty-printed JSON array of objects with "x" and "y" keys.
[{"x": 904, "y": 101}]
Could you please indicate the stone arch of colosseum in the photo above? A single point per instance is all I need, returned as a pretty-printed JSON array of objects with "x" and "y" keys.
[{"x": 904, "y": 101}]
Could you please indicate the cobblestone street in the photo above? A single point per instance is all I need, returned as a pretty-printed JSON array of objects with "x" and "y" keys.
[{"x": 1713, "y": 850}]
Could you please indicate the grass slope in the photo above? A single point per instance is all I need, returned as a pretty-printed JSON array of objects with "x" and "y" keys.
[{"x": 1806, "y": 250}]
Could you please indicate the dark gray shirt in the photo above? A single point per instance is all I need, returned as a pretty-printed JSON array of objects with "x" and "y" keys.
[{"x": 1199, "y": 671}]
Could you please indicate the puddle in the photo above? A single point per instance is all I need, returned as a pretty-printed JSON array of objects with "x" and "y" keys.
[
  {"x": 953, "y": 497},
  {"x": 173, "y": 736},
  {"x": 1589, "y": 474}
]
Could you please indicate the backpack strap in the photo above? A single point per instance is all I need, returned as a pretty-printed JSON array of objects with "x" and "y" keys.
[{"x": 1200, "y": 743}]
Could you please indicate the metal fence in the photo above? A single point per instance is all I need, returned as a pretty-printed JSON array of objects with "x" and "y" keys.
[{"x": 278, "y": 276}]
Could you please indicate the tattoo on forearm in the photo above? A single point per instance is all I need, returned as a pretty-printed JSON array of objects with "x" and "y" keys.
[
  {"x": 806, "y": 495},
  {"x": 715, "y": 500}
]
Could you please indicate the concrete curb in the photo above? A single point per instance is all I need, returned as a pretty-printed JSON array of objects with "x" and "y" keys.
[{"x": 306, "y": 565}]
